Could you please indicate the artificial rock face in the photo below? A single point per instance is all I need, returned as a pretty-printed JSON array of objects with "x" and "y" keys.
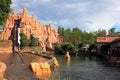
[
  {"x": 40, "y": 70},
  {"x": 47, "y": 34},
  {"x": 3, "y": 69}
]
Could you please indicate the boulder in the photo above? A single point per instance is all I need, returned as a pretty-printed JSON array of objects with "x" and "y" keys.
[
  {"x": 3, "y": 69},
  {"x": 55, "y": 64},
  {"x": 67, "y": 56},
  {"x": 40, "y": 70}
]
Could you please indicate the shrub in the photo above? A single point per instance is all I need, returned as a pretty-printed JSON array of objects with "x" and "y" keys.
[
  {"x": 34, "y": 41},
  {"x": 66, "y": 46},
  {"x": 57, "y": 48},
  {"x": 23, "y": 39}
]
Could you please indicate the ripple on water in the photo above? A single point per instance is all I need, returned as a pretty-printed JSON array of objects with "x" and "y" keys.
[{"x": 85, "y": 68}]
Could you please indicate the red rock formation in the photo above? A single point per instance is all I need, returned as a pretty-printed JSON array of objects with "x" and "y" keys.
[
  {"x": 40, "y": 70},
  {"x": 3, "y": 69},
  {"x": 67, "y": 56},
  {"x": 6, "y": 46},
  {"x": 47, "y": 34},
  {"x": 55, "y": 63}
]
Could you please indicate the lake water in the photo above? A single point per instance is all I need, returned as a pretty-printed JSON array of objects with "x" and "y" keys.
[
  {"x": 85, "y": 68},
  {"x": 79, "y": 68}
]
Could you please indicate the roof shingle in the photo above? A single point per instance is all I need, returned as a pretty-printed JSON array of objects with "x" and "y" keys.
[{"x": 107, "y": 39}]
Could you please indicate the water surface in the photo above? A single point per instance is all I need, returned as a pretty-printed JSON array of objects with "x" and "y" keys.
[
  {"x": 79, "y": 68},
  {"x": 85, "y": 68}
]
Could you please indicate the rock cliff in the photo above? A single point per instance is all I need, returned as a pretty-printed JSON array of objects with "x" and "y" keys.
[
  {"x": 47, "y": 34},
  {"x": 6, "y": 46},
  {"x": 3, "y": 69}
]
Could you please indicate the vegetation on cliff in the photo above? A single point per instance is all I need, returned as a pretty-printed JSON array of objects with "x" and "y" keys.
[
  {"x": 24, "y": 40},
  {"x": 34, "y": 41}
]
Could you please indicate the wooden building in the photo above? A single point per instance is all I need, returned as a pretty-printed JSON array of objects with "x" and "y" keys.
[{"x": 105, "y": 43}]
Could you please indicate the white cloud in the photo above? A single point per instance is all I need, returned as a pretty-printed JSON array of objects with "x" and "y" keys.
[
  {"x": 89, "y": 15},
  {"x": 44, "y": 0}
]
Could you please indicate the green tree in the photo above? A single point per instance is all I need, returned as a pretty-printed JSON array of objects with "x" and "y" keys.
[
  {"x": 23, "y": 39},
  {"x": 75, "y": 49},
  {"x": 79, "y": 45},
  {"x": 66, "y": 35},
  {"x": 118, "y": 34},
  {"x": 92, "y": 48},
  {"x": 75, "y": 36},
  {"x": 100, "y": 33},
  {"x": 75, "y": 39},
  {"x": 57, "y": 48},
  {"x": 34, "y": 41},
  {"x": 85, "y": 38},
  {"x": 91, "y": 38},
  {"x": 66, "y": 46},
  {"x": 60, "y": 31},
  {"x": 4, "y": 10},
  {"x": 111, "y": 32}
]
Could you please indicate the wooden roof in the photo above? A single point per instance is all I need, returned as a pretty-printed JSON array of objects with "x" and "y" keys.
[{"x": 106, "y": 39}]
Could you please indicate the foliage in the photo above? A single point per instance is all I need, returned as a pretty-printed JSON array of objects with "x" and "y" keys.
[
  {"x": 112, "y": 33},
  {"x": 60, "y": 31},
  {"x": 79, "y": 45},
  {"x": 23, "y": 39},
  {"x": 34, "y": 41},
  {"x": 118, "y": 34},
  {"x": 66, "y": 46},
  {"x": 75, "y": 49},
  {"x": 103, "y": 33},
  {"x": 67, "y": 35},
  {"x": 74, "y": 39},
  {"x": 100, "y": 33},
  {"x": 92, "y": 47},
  {"x": 62, "y": 48},
  {"x": 76, "y": 36},
  {"x": 4, "y": 10},
  {"x": 57, "y": 48},
  {"x": 33, "y": 49}
]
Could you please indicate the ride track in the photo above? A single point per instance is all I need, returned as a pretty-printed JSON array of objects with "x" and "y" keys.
[
  {"x": 18, "y": 67},
  {"x": 14, "y": 58}
]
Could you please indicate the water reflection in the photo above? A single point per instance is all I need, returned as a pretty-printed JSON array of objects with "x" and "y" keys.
[
  {"x": 85, "y": 68},
  {"x": 79, "y": 68}
]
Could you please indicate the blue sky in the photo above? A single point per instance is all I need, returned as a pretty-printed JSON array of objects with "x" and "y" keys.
[
  {"x": 117, "y": 28},
  {"x": 88, "y": 15}
]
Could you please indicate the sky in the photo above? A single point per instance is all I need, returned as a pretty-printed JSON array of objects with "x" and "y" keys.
[{"x": 88, "y": 15}]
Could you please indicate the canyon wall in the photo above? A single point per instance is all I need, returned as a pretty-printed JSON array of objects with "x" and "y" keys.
[{"x": 46, "y": 33}]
